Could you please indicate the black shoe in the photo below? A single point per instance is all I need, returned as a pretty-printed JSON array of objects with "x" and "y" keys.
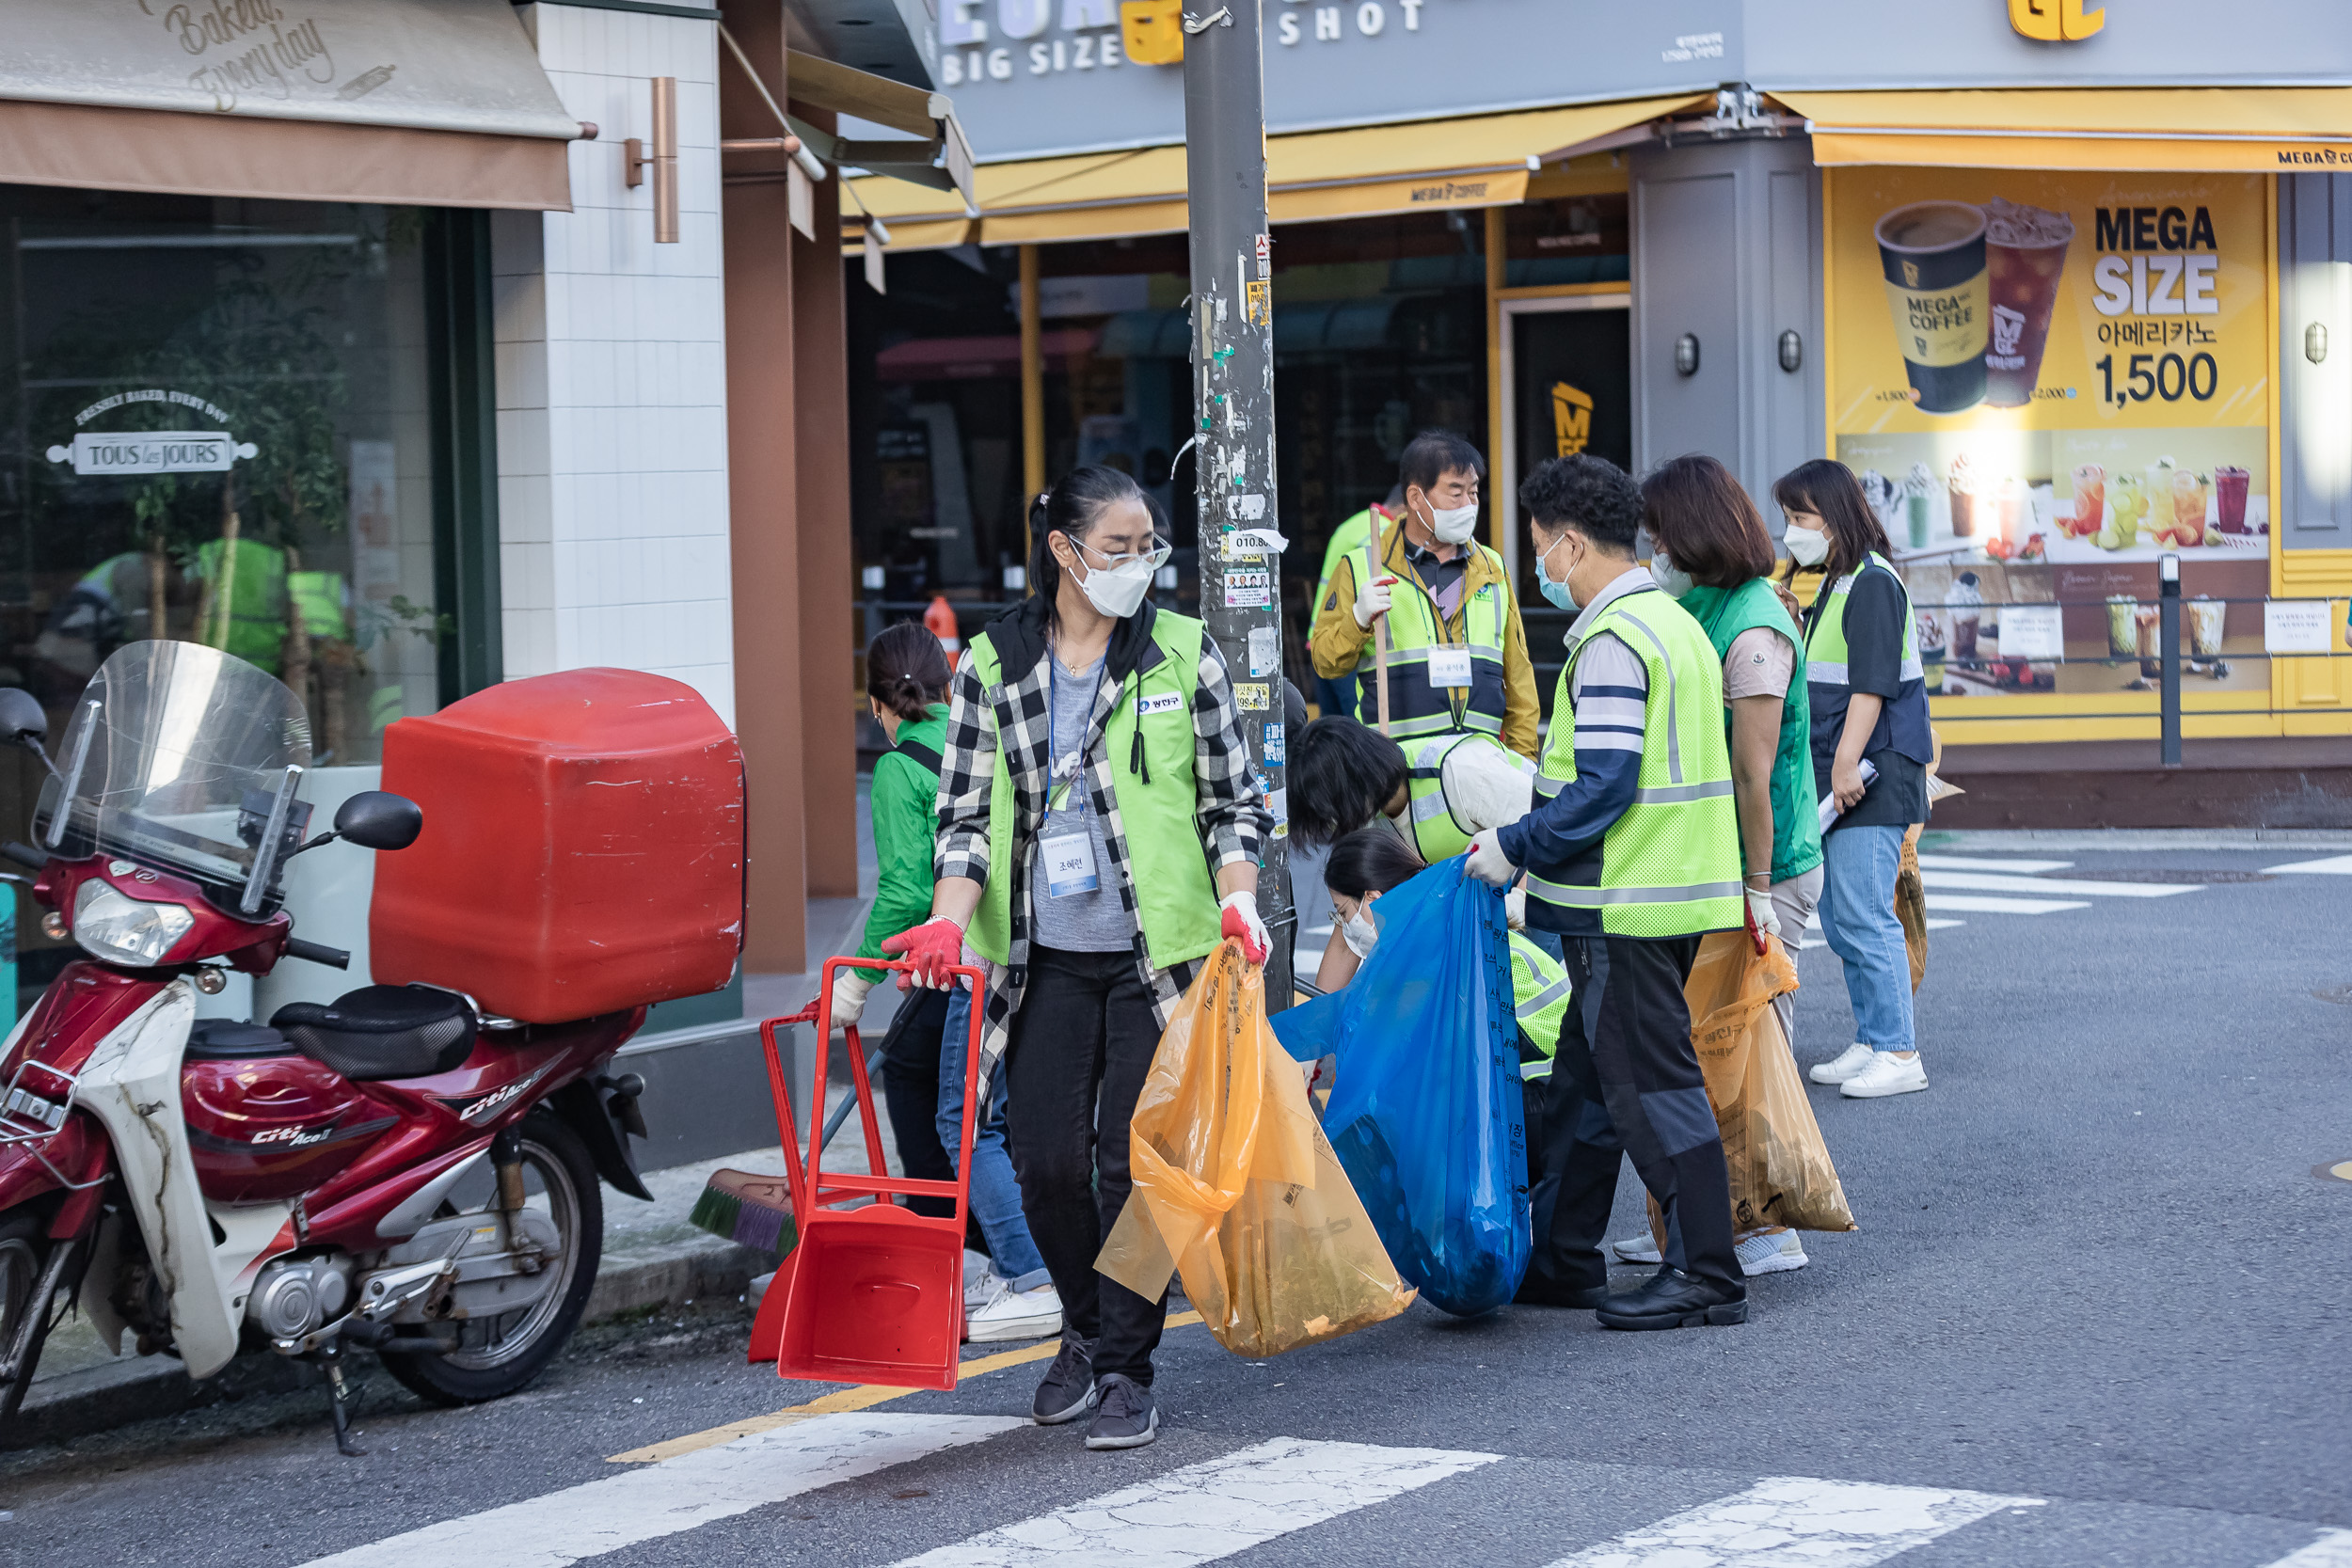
[
  {"x": 1068, "y": 1391},
  {"x": 1580, "y": 1298},
  {"x": 1125, "y": 1417},
  {"x": 1671, "y": 1299}
]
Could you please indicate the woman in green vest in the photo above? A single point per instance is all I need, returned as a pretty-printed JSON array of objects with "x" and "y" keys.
[
  {"x": 1866, "y": 686},
  {"x": 1099, "y": 833},
  {"x": 1711, "y": 552}
]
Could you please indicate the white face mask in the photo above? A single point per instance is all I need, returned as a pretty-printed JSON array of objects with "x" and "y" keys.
[
  {"x": 1452, "y": 525},
  {"x": 1807, "y": 547},
  {"x": 1360, "y": 934},
  {"x": 1669, "y": 576},
  {"x": 1116, "y": 591}
]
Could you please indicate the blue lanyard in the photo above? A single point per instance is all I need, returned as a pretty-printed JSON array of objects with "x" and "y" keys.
[{"x": 1052, "y": 739}]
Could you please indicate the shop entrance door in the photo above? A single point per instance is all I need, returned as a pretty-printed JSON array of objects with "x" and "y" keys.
[{"x": 1567, "y": 379}]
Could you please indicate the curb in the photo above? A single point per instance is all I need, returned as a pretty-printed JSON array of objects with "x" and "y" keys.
[{"x": 140, "y": 1388}]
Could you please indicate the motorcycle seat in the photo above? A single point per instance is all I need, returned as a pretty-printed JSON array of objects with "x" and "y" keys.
[
  {"x": 224, "y": 1039},
  {"x": 381, "y": 1032}
]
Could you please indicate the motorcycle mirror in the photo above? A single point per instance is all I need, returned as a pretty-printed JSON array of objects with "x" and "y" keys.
[
  {"x": 378, "y": 819},
  {"x": 22, "y": 721}
]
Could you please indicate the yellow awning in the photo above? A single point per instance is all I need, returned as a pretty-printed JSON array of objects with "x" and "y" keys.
[
  {"x": 2245, "y": 130},
  {"x": 1366, "y": 171}
]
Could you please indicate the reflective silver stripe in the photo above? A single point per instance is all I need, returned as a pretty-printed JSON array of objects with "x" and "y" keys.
[
  {"x": 1913, "y": 670},
  {"x": 1540, "y": 1068},
  {"x": 1545, "y": 997},
  {"x": 1674, "y": 731},
  {"x": 1428, "y": 807},
  {"x": 1481, "y": 723},
  {"x": 1820, "y": 671},
  {"x": 1667, "y": 794},
  {"x": 1594, "y": 897},
  {"x": 1547, "y": 787}
]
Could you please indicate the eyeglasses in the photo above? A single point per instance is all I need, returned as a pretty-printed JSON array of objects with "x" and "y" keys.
[{"x": 1154, "y": 559}]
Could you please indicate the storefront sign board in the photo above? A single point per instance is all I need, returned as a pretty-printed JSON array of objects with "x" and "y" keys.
[
  {"x": 152, "y": 451},
  {"x": 2296, "y": 626}
]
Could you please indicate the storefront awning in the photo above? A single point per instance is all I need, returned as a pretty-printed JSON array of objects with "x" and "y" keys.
[
  {"x": 437, "y": 102},
  {"x": 2251, "y": 130},
  {"x": 1366, "y": 171}
]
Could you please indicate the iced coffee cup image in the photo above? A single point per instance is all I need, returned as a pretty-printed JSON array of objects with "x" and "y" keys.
[
  {"x": 1933, "y": 255},
  {"x": 2207, "y": 617},
  {"x": 1961, "y": 489},
  {"x": 2024, "y": 254}
]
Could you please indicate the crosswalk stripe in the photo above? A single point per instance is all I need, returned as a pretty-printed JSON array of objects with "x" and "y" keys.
[
  {"x": 1977, "y": 881},
  {"x": 1813, "y": 937},
  {"x": 682, "y": 1494},
  {"x": 1978, "y": 904},
  {"x": 2335, "y": 866},
  {"x": 1796, "y": 1522},
  {"x": 1975, "y": 863},
  {"x": 1210, "y": 1510},
  {"x": 2333, "y": 1549}
]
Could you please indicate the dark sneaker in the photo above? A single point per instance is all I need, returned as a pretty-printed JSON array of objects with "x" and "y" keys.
[
  {"x": 1068, "y": 1391},
  {"x": 1671, "y": 1299},
  {"x": 1125, "y": 1417}
]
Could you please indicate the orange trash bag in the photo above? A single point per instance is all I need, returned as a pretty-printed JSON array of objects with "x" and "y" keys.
[
  {"x": 1781, "y": 1172},
  {"x": 1237, "y": 1189}
]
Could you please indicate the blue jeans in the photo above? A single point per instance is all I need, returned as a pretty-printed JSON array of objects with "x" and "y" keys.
[
  {"x": 1857, "y": 915},
  {"x": 995, "y": 1195}
]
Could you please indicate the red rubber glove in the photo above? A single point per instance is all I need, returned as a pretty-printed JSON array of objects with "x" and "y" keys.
[
  {"x": 930, "y": 948},
  {"x": 1242, "y": 923}
]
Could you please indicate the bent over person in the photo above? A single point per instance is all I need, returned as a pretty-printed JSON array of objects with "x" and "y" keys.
[
  {"x": 1631, "y": 854},
  {"x": 1099, "y": 833}
]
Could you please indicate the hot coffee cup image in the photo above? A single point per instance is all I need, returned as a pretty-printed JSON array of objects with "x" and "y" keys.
[{"x": 1933, "y": 253}]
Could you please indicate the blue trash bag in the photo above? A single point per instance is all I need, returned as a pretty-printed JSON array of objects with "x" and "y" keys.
[{"x": 1425, "y": 1113}]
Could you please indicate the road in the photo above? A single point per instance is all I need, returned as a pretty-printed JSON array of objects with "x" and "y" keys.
[{"x": 2094, "y": 1314}]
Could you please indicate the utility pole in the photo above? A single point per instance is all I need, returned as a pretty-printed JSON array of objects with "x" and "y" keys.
[{"x": 1233, "y": 359}]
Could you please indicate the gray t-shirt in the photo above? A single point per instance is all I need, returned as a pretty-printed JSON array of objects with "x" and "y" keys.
[{"x": 1076, "y": 921}]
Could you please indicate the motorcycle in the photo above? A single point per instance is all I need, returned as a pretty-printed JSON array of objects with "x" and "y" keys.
[{"x": 395, "y": 1170}]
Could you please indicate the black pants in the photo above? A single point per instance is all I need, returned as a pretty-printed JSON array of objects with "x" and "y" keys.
[
  {"x": 1081, "y": 1045},
  {"x": 1627, "y": 1082},
  {"x": 910, "y": 1087}
]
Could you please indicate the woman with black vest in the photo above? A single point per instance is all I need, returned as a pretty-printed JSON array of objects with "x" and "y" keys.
[{"x": 1099, "y": 833}]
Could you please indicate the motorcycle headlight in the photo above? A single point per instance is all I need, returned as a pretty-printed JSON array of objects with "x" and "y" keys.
[{"x": 125, "y": 930}]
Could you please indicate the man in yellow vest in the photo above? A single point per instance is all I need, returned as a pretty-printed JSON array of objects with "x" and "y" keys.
[
  {"x": 1631, "y": 853},
  {"x": 1457, "y": 654}
]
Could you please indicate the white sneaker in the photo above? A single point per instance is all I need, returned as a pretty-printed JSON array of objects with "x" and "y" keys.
[
  {"x": 1886, "y": 1075},
  {"x": 1011, "y": 1314},
  {"x": 1637, "y": 1249},
  {"x": 1771, "y": 1252},
  {"x": 1848, "y": 1062},
  {"x": 979, "y": 1290},
  {"x": 978, "y": 1270}
]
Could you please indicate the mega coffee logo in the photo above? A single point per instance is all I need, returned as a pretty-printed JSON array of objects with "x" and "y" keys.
[
  {"x": 2055, "y": 20},
  {"x": 1571, "y": 419}
]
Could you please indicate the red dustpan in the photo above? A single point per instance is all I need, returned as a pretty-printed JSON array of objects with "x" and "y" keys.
[{"x": 872, "y": 1292}]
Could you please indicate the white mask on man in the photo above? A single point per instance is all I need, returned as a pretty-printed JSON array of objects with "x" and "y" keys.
[{"x": 1452, "y": 525}]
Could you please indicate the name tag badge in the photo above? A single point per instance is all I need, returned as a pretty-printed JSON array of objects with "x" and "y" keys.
[
  {"x": 1167, "y": 702},
  {"x": 1068, "y": 865},
  {"x": 1448, "y": 667}
]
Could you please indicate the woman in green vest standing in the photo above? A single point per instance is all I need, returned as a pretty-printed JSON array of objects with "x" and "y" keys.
[
  {"x": 1099, "y": 833},
  {"x": 1870, "y": 700},
  {"x": 1711, "y": 552}
]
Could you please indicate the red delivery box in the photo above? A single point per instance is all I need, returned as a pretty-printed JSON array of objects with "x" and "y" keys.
[{"x": 582, "y": 848}]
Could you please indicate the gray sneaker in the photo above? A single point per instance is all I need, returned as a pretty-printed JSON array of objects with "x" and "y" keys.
[
  {"x": 1068, "y": 1391},
  {"x": 1126, "y": 1418}
]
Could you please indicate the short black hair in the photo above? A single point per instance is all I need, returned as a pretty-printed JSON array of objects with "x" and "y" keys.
[
  {"x": 1433, "y": 454},
  {"x": 1342, "y": 774},
  {"x": 1588, "y": 493},
  {"x": 1370, "y": 860}
]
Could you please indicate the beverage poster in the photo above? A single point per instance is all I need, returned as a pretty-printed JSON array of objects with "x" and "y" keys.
[{"x": 2047, "y": 382}]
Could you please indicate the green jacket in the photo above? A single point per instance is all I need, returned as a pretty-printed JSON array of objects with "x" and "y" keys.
[{"x": 906, "y": 826}]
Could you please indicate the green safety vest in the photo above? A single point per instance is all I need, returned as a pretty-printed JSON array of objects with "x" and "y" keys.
[
  {"x": 1539, "y": 995},
  {"x": 1905, "y": 717},
  {"x": 252, "y": 594},
  {"x": 1726, "y": 613},
  {"x": 1437, "y": 833},
  {"x": 1415, "y": 706},
  {"x": 1174, "y": 893},
  {"x": 1347, "y": 539},
  {"x": 1670, "y": 865}
]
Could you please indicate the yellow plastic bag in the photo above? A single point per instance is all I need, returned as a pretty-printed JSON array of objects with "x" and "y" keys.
[
  {"x": 1237, "y": 1189},
  {"x": 1780, "y": 1169}
]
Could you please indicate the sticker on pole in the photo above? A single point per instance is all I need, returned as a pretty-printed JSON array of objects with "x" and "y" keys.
[
  {"x": 1253, "y": 696},
  {"x": 1248, "y": 589},
  {"x": 1265, "y": 651},
  {"x": 1277, "y": 746},
  {"x": 1259, "y": 302}
]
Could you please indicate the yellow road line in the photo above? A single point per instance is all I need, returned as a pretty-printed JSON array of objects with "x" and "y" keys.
[{"x": 864, "y": 1397}]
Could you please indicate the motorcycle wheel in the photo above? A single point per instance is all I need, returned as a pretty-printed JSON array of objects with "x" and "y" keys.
[
  {"x": 495, "y": 1356},
  {"x": 23, "y": 1251}
]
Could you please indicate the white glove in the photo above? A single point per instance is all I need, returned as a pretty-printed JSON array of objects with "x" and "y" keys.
[
  {"x": 1514, "y": 908},
  {"x": 1488, "y": 863},
  {"x": 1241, "y": 921},
  {"x": 850, "y": 986},
  {"x": 1760, "y": 915},
  {"x": 1371, "y": 600}
]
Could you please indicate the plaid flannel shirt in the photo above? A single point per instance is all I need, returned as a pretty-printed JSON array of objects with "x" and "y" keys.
[{"x": 1006, "y": 725}]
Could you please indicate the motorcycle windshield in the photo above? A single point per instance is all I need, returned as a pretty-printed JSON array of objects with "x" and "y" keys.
[{"x": 175, "y": 757}]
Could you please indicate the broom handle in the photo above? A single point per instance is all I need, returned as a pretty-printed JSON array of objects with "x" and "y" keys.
[
  {"x": 1379, "y": 634},
  {"x": 849, "y": 1103}
]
